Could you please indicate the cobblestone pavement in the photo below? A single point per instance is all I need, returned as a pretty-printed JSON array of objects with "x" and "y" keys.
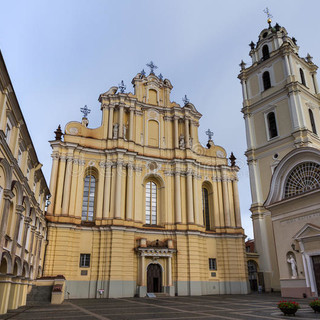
[{"x": 241, "y": 307}]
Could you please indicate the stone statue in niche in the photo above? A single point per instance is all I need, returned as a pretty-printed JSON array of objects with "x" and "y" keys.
[
  {"x": 125, "y": 132},
  {"x": 115, "y": 131},
  {"x": 182, "y": 143},
  {"x": 293, "y": 264},
  {"x": 190, "y": 142}
]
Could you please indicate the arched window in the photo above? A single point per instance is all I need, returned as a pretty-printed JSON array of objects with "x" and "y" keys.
[
  {"x": 272, "y": 125},
  {"x": 303, "y": 178},
  {"x": 303, "y": 80},
  {"x": 205, "y": 207},
  {"x": 313, "y": 124},
  {"x": 88, "y": 198},
  {"x": 265, "y": 53},
  {"x": 151, "y": 203},
  {"x": 266, "y": 80}
]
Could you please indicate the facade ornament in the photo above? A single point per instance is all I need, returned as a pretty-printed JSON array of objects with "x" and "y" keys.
[
  {"x": 293, "y": 264},
  {"x": 125, "y": 132},
  {"x": 232, "y": 159},
  {"x": 190, "y": 142},
  {"x": 152, "y": 66},
  {"x": 58, "y": 133},
  {"x": 185, "y": 100},
  {"x": 115, "y": 131},
  {"x": 85, "y": 110},
  {"x": 182, "y": 143},
  {"x": 122, "y": 87}
]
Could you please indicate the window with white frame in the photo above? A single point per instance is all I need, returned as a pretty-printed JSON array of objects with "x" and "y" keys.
[
  {"x": 8, "y": 131},
  {"x": 84, "y": 260},
  {"x": 88, "y": 202},
  {"x": 151, "y": 203},
  {"x": 212, "y": 264}
]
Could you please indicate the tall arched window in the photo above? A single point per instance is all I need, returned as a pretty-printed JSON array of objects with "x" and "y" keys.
[
  {"x": 205, "y": 206},
  {"x": 266, "y": 80},
  {"x": 303, "y": 80},
  {"x": 272, "y": 125},
  {"x": 313, "y": 124},
  {"x": 88, "y": 198},
  {"x": 151, "y": 203},
  {"x": 265, "y": 53}
]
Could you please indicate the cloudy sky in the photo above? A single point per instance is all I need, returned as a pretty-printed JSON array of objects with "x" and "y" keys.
[{"x": 62, "y": 54}]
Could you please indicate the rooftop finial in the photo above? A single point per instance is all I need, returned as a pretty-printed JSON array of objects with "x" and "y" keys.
[
  {"x": 85, "y": 110},
  {"x": 269, "y": 15},
  {"x": 122, "y": 87},
  {"x": 152, "y": 66},
  {"x": 185, "y": 100},
  {"x": 209, "y": 133}
]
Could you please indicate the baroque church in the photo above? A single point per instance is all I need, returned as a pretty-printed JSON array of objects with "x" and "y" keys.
[
  {"x": 139, "y": 206},
  {"x": 281, "y": 107}
]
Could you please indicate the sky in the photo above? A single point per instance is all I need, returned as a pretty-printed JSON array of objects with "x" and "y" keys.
[{"x": 62, "y": 54}]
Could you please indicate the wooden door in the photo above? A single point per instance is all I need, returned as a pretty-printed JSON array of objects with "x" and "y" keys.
[
  {"x": 154, "y": 278},
  {"x": 316, "y": 269}
]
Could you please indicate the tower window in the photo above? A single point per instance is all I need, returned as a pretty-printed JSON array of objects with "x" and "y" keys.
[
  {"x": 151, "y": 203},
  {"x": 272, "y": 125},
  {"x": 303, "y": 80},
  {"x": 205, "y": 206},
  {"x": 266, "y": 80},
  {"x": 313, "y": 124},
  {"x": 88, "y": 198},
  {"x": 265, "y": 52}
]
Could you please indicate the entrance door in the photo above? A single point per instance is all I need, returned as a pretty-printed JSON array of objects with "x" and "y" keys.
[
  {"x": 316, "y": 268},
  {"x": 154, "y": 278}
]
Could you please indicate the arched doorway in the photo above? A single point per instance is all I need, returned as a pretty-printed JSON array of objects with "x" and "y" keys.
[
  {"x": 253, "y": 275},
  {"x": 154, "y": 278}
]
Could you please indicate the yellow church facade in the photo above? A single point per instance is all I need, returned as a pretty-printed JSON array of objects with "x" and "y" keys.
[{"x": 139, "y": 205}]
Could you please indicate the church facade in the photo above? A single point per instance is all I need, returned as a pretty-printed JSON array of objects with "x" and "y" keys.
[
  {"x": 139, "y": 205},
  {"x": 281, "y": 105},
  {"x": 23, "y": 194}
]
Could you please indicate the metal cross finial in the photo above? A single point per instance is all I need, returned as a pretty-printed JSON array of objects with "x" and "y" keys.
[
  {"x": 143, "y": 73},
  {"x": 160, "y": 76},
  {"x": 152, "y": 66},
  {"x": 122, "y": 87},
  {"x": 209, "y": 133},
  {"x": 85, "y": 110},
  {"x": 185, "y": 99},
  {"x": 267, "y": 12}
]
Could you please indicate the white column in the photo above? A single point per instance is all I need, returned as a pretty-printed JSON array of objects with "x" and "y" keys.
[
  {"x": 225, "y": 194},
  {"x": 176, "y": 132},
  {"x": 286, "y": 66},
  {"x": 236, "y": 203},
  {"x": 250, "y": 132},
  {"x": 67, "y": 185},
  {"x": 110, "y": 126},
  {"x": 315, "y": 83},
  {"x": 142, "y": 275},
  {"x": 3, "y": 119},
  {"x": 177, "y": 197},
  {"x": 107, "y": 189},
  {"x": 187, "y": 133},
  {"x": 169, "y": 272},
  {"x": 189, "y": 198},
  {"x": 53, "y": 182},
  {"x": 117, "y": 207},
  {"x": 195, "y": 200},
  {"x": 121, "y": 121},
  {"x": 131, "y": 124},
  {"x": 129, "y": 192},
  {"x": 254, "y": 176},
  {"x": 244, "y": 90}
]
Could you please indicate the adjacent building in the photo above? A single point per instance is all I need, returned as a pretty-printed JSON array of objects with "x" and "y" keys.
[
  {"x": 281, "y": 104},
  {"x": 139, "y": 205},
  {"x": 23, "y": 193}
]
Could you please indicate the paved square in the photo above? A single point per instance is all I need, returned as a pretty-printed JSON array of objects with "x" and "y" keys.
[{"x": 242, "y": 307}]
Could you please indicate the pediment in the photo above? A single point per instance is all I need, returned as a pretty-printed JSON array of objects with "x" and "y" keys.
[{"x": 308, "y": 231}]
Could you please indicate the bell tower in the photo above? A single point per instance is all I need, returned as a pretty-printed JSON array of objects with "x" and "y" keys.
[{"x": 281, "y": 110}]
